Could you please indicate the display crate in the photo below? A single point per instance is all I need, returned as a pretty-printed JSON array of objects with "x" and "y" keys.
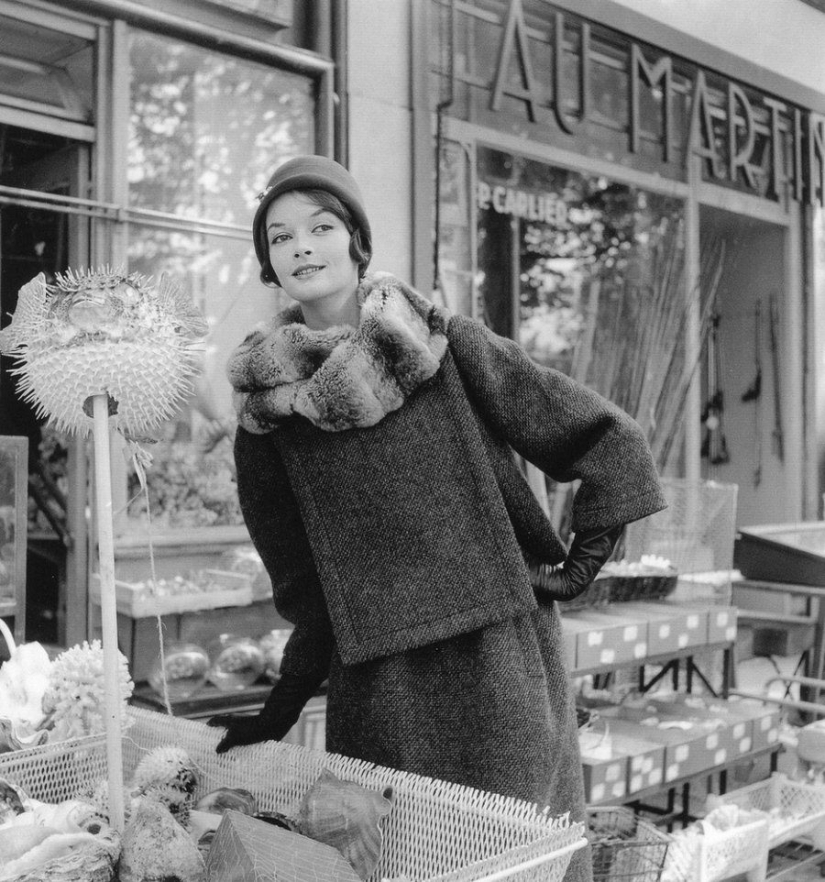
[
  {"x": 625, "y": 846},
  {"x": 435, "y": 831},
  {"x": 795, "y": 808},
  {"x": 696, "y": 531},
  {"x": 134, "y": 600},
  {"x": 720, "y": 854}
]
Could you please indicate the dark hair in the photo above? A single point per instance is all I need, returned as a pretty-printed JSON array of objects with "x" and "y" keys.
[{"x": 358, "y": 251}]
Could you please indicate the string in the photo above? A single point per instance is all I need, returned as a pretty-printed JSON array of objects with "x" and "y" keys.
[{"x": 141, "y": 459}]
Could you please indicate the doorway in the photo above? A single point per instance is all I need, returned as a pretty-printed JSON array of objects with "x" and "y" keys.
[
  {"x": 747, "y": 439},
  {"x": 40, "y": 236}
]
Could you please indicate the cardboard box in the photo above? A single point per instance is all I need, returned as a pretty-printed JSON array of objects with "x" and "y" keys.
[
  {"x": 571, "y": 627},
  {"x": 616, "y": 766},
  {"x": 670, "y": 627},
  {"x": 607, "y": 640},
  {"x": 679, "y": 747},
  {"x": 645, "y": 760},
  {"x": 692, "y": 744},
  {"x": 763, "y": 719},
  {"x": 737, "y": 734},
  {"x": 722, "y": 624},
  {"x": 604, "y": 768}
]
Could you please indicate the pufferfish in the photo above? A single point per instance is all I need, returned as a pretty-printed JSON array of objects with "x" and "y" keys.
[
  {"x": 99, "y": 332},
  {"x": 167, "y": 775}
]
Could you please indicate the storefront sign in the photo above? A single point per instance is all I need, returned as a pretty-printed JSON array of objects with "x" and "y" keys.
[
  {"x": 745, "y": 138},
  {"x": 527, "y": 205}
]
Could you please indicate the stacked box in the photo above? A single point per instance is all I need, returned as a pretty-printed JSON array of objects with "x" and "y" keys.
[
  {"x": 604, "y": 768},
  {"x": 571, "y": 628},
  {"x": 722, "y": 624},
  {"x": 680, "y": 748},
  {"x": 737, "y": 734},
  {"x": 763, "y": 720},
  {"x": 670, "y": 627},
  {"x": 616, "y": 766},
  {"x": 691, "y": 745},
  {"x": 602, "y": 639}
]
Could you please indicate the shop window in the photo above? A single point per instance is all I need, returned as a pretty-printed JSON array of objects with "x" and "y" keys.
[
  {"x": 588, "y": 275},
  {"x": 45, "y": 70},
  {"x": 205, "y": 133}
]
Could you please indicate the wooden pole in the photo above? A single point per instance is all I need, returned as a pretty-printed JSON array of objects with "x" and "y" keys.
[{"x": 108, "y": 609}]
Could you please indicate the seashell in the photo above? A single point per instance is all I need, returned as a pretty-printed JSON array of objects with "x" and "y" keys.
[
  {"x": 155, "y": 846},
  {"x": 11, "y": 801},
  {"x": 225, "y": 798},
  {"x": 347, "y": 817},
  {"x": 16, "y": 841}
]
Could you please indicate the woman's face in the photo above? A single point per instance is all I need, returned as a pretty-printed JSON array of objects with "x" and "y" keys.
[{"x": 309, "y": 251}]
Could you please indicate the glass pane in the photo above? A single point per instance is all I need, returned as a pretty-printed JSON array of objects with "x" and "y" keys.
[
  {"x": 46, "y": 67},
  {"x": 589, "y": 276},
  {"x": 207, "y": 130},
  {"x": 192, "y": 479}
]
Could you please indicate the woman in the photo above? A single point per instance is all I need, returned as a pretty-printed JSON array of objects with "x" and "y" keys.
[{"x": 377, "y": 478}]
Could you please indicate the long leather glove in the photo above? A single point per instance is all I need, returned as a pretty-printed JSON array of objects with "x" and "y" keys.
[
  {"x": 279, "y": 714},
  {"x": 588, "y": 553}
]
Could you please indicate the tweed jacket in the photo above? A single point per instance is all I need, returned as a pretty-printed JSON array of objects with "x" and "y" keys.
[{"x": 414, "y": 529}]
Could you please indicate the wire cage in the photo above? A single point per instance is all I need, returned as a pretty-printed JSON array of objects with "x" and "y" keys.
[
  {"x": 696, "y": 532},
  {"x": 435, "y": 831},
  {"x": 625, "y": 846}
]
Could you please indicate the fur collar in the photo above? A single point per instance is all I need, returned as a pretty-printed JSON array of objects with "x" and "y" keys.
[{"x": 340, "y": 378}]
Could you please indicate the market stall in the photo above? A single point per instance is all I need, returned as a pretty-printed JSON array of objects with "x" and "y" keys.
[{"x": 107, "y": 770}]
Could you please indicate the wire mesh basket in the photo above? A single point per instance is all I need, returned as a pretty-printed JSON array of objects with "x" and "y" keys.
[
  {"x": 697, "y": 855},
  {"x": 624, "y": 846},
  {"x": 436, "y": 831},
  {"x": 696, "y": 532},
  {"x": 794, "y": 808}
]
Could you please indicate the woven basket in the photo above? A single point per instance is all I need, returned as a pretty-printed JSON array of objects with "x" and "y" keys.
[
  {"x": 596, "y": 595},
  {"x": 624, "y": 846},
  {"x": 436, "y": 831},
  {"x": 624, "y": 589}
]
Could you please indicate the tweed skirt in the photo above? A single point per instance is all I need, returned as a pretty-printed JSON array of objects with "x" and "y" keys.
[{"x": 491, "y": 709}]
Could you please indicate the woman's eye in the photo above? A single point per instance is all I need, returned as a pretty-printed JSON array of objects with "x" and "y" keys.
[
  {"x": 276, "y": 240},
  {"x": 322, "y": 228}
]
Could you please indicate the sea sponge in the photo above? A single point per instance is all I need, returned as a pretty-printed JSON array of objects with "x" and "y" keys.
[
  {"x": 155, "y": 846},
  {"x": 101, "y": 331},
  {"x": 348, "y": 817},
  {"x": 75, "y": 697}
]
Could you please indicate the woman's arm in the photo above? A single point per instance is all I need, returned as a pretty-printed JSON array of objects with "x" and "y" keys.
[
  {"x": 273, "y": 519},
  {"x": 564, "y": 428}
]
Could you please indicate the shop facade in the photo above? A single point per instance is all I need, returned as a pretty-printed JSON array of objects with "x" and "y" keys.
[{"x": 643, "y": 209}]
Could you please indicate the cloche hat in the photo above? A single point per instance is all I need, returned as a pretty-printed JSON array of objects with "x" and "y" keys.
[{"x": 309, "y": 173}]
